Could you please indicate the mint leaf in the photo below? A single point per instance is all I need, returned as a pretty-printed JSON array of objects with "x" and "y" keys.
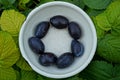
[
  {"x": 28, "y": 75},
  {"x": 113, "y": 15},
  {"x": 7, "y": 61},
  {"x": 8, "y": 51},
  {"x": 99, "y": 70},
  {"x": 6, "y": 2},
  {"x": 102, "y": 22},
  {"x": 40, "y": 77},
  {"x": 116, "y": 72},
  {"x": 109, "y": 20},
  {"x": 78, "y": 3},
  {"x": 97, "y": 4},
  {"x": 11, "y": 21},
  {"x": 100, "y": 32},
  {"x": 93, "y": 12},
  {"x": 22, "y": 64},
  {"x": 109, "y": 48},
  {"x": 17, "y": 75},
  {"x": 70, "y": 78},
  {"x": 7, "y": 74}
]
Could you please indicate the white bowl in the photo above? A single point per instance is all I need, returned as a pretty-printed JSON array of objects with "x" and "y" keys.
[{"x": 44, "y": 13}]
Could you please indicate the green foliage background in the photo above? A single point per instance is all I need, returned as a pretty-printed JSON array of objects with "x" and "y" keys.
[{"x": 106, "y": 17}]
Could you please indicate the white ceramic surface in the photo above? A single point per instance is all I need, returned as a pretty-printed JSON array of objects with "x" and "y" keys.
[{"x": 44, "y": 13}]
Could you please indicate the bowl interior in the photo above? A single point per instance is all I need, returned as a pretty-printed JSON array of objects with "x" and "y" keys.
[{"x": 44, "y": 13}]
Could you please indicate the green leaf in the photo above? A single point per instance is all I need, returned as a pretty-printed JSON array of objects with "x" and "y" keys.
[
  {"x": 82, "y": 5},
  {"x": 74, "y": 78},
  {"x": 109, "y": 20},
  {"x": 0, "y": 27},
  {"x": 16, "y": 40},
  {"x": 93, "y": 12},
  {"x": 100, "y": 32},
  {"x": 116, "y": 72},
  {"x": 3, "y": 2},
  {"x": 39, "y": 77},
  {"x": 7, "y": 74},
  {"x": 113, "y": 15},
  {"x": 7, "y": 2},
  {"x": 28, "y": 75},
  {"x": 99, "y": 70},
  {"x": 8, "y": 51},
  {"x": 116, "y": 30},
  {"x": 11, "y": 21},
  {"x": 9, "y": 60},
  {"x": 102, "y": 22},
  {"x": 78, "y": 3},
  {"x": 24, "y": 1},
  {"x": 109, "y": 48},
  {"x": 22, "y": 4},
  {"x": 22, "y": 64},
  {"x": 17, "y": 75},
  {"x": 44, "y": 1},
  {"x": 26, "y": 12},
  {"x": 97, "y": 4}
]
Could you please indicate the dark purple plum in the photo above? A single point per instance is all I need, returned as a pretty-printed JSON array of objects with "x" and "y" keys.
[
  {"x": 59, "y": 21},
  {"x": 36, "y": 45},
  {"x": 77, "y": 48},
  {"x": 47, "y": 59},
  {"x": 74, "y": 30},
  {"x": 42, "y": 29},
  {"x": 65, "y": 60}
]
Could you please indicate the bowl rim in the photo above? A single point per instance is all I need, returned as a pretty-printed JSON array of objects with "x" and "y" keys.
[{"x": 83, "y": 14}]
